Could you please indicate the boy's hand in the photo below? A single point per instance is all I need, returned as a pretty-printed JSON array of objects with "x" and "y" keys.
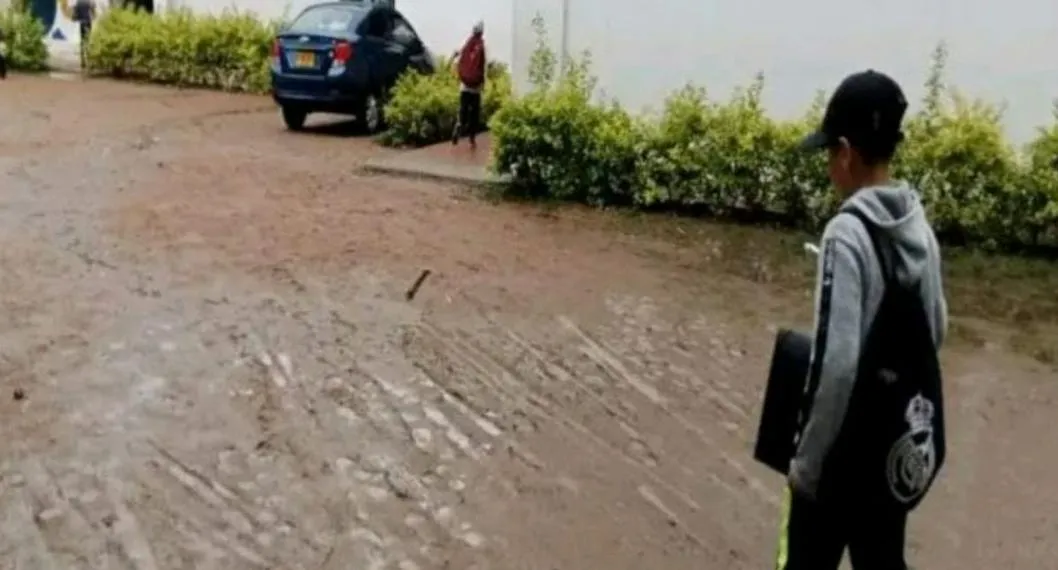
[{"x": 799, "y": 483}]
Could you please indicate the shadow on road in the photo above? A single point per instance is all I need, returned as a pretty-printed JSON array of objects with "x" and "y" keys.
[{"x": 333, "y": 125}]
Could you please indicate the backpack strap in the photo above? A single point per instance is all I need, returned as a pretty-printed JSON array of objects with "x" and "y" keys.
[{"x": 881, "y": 253}]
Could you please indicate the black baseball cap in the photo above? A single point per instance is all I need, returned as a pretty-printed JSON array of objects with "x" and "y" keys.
[{"x": 866, "y": 109}]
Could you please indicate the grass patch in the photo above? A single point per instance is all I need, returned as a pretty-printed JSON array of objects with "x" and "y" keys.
[{"x": 991, "y": 297}]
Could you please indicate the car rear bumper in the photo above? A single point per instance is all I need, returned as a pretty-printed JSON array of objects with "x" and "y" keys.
[{"x": 322, "y": 94}]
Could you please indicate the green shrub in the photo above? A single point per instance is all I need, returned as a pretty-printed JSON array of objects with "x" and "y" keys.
[
  {"x": 958, "y": 159},
  {"x": 556, "y": 142},
  {"x": 423, "y": 108},
  {"x": 24, "y": 35},
  {"x": 229, "y": 51},
  {"x": 1034, "y": 206},
  {"x": 720, "y": 157},
  {"x": 728, "y": 158},
  {"x": 804, "y": 197}
]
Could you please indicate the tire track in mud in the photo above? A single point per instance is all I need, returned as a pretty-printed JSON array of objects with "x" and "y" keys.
[
  {"x": 81, "y": 519},
  {"x": 402, "y": 478},
  {"x": 602, "y": 403},
  {"x": 230, "y": 523},
  {"x": 52, "y": 529},
  {"x": 349, "y": 460},
  {"x": 607, "y": 360}
]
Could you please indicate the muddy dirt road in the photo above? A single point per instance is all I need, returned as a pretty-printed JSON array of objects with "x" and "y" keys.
[{"x": 207, "y": 361}]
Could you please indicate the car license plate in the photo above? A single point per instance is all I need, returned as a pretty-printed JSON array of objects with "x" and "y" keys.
[{"x": 304, "y": 59}]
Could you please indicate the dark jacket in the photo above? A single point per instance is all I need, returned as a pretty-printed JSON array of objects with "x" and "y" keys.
[{"x": 84, "y": 11}]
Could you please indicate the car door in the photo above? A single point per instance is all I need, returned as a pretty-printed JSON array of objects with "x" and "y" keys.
[
  {"x": 383, "y": 59},
  {"x": 403, "y": 42},
  {"x": 415, "y": 54}
]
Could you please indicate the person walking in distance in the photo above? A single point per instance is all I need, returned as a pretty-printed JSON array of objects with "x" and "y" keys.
[
  {"x": 3, "y": 55},
  {"x": 84, "y": 12},
  {"x": 471, "y": 67},
  {"x": 870, "y": 439}
]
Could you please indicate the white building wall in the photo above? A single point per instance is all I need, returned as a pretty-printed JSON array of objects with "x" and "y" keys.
[
  {"x": 268, "y": 9},
  {"x": 1002, "y": 51}
]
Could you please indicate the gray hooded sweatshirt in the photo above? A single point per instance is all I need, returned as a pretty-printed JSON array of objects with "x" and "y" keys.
[{"x": 849, "y": 291}]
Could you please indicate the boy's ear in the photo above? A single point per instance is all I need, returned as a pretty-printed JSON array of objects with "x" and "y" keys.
[
  {"x": 846, "y": 152},
  {"x": 843, "y": 145}
]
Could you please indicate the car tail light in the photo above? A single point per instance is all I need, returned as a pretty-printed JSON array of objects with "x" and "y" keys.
[
  {"x": 343, "y": 52},
  {"x": 274, "y": 59}
]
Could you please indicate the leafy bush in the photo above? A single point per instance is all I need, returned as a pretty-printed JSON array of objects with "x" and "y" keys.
[
  {"x": 722, "y": 158},
  {"x": 423, "y": 108},
  {"x": 1034, "y": 202},
  {"x": 957, "y": 157},
  {"x": 728, "y": 158},
  {"x": 24, "y": 35},
  {"x": 556, "y": 142},
  {"x": 229, "y": 51}
]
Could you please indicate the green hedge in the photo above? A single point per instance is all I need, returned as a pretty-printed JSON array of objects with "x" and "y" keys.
[
  {"x": 229, "y": 51},
  {"x": 423, "y": 109},
  {"x": 24, "y": 35},
  {"x": 729, "y": 158}
]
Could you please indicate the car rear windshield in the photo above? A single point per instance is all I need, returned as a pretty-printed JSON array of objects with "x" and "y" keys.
[{"x": 328, "y": 19}]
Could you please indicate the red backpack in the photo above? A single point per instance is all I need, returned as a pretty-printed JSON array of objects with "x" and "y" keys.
[{"x": 472, "y": 63}]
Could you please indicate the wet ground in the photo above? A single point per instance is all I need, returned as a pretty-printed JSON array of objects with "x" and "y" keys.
[{"x": 208, "y": 360}]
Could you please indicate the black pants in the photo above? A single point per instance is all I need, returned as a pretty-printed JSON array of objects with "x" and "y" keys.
[
  {"x": 469, "y": 115},
  {"x": 86, "y": 31},
  {"x": 815, "y": 536}
]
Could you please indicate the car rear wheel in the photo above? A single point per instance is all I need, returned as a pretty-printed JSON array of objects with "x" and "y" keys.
[
  {"x": 370, "y": 116},
  {"x": 294, "y": 117}
]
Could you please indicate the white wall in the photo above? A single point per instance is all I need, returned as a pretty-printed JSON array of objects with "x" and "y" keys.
[
  {"x": 269, "y": 9},
  {"x": 1003, "y": 51}
]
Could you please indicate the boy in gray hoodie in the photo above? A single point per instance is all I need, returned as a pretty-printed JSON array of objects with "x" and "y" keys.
[{"x": 871, "y": 433}]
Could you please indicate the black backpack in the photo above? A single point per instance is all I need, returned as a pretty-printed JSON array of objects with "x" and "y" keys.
[{"x": 892, "y": 442}]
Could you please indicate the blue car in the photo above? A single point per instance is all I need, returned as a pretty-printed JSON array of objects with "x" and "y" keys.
[{"x": 344, "y": 57}]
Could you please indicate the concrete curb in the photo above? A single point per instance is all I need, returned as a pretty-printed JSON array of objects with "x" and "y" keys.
[
  {"x": 433, "y": 171},
  {"x": 64, "y": 58}
]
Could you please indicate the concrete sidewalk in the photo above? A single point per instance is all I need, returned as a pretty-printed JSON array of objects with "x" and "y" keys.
[
  {"x": 441, "y": 161},
  {"x": 64, "y": 57}
]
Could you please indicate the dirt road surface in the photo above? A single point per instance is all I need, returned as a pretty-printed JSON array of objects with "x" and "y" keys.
[{"x": 207, "y": 361}]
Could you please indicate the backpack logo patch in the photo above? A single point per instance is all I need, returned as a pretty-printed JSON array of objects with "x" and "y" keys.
[{"x": 912, "y": 459}]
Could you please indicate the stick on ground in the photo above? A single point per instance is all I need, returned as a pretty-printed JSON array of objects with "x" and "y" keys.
[{"x": 410, "y": 293}]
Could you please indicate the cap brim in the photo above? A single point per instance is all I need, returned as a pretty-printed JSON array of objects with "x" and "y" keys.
[{"x": 815, "y": 141}]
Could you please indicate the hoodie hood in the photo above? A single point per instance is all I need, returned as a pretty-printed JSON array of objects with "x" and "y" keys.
[{"x": 897, "y": 211}]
